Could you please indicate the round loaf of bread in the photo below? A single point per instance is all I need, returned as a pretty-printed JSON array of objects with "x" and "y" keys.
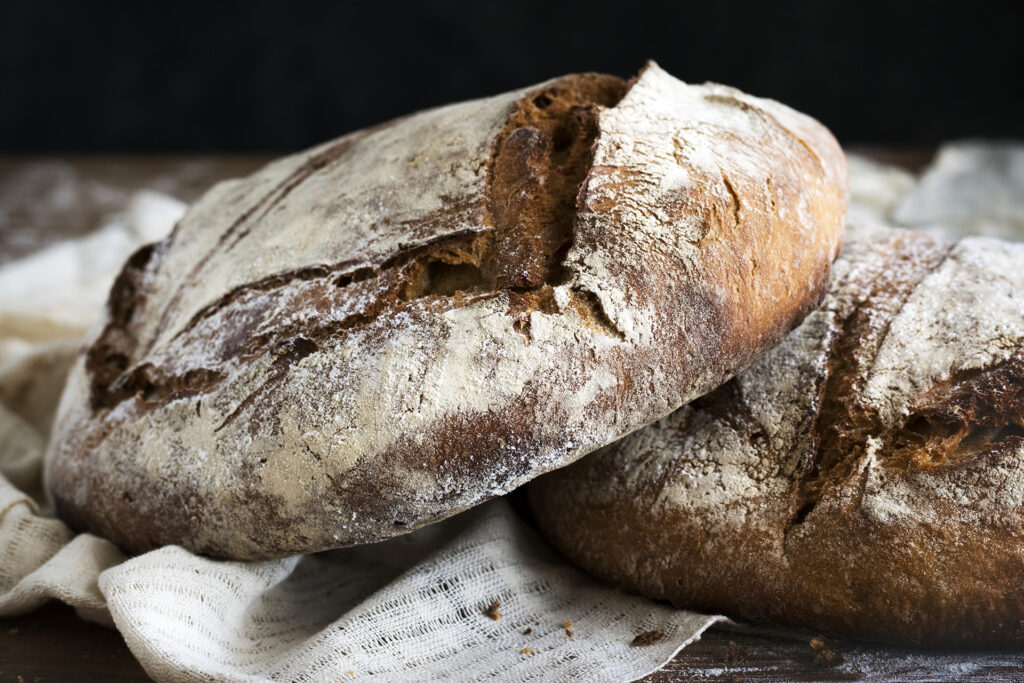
[
  {"x": 865, "y": 477},
  {"x": 392, "y": 327}
]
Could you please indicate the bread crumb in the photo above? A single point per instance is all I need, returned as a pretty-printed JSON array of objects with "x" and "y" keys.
[
  {"x": 824, "y": 655},
  {"x": 492, "y": 611},
  {"x": 526, "y": 651},
  {"x": 351, "y": 672},
  {"x": 647, "y": 638},
  {"x": 567, "y": 624},
  {"x": 528, "y": 631},
  {"x": 734, "y": 655},
  {"x": 568, "y": 632}
]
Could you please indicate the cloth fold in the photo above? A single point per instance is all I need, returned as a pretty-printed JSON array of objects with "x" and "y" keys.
[{"x": 413, "y": 606}]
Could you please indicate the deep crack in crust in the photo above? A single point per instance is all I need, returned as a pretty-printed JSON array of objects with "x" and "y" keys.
[
  {"x": 865, "y": 477},
  {"x": 843, "y": 426},
  {"x": 539, "y": 161},
  {"x": 383, "y": 331}
]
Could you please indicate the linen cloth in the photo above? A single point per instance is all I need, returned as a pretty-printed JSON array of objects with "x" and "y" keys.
[{"x": 409, "y": 608}]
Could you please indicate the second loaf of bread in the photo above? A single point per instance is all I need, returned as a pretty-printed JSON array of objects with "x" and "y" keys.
[{"x": 865, "y": 477}]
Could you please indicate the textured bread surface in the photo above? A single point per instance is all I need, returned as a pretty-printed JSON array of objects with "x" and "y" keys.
[
  {"x": 392, "y": 327},
  {"x": 864, "y": 477}
]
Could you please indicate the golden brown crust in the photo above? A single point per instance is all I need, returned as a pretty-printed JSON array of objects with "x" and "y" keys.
[
  {"x": 865, "y": 477},
  {"x": 399, "y": 324}
]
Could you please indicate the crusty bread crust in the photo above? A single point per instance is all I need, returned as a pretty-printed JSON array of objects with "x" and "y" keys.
[
  {"x": 397, "y": 325},
  {"x": 865, "y": 477}
]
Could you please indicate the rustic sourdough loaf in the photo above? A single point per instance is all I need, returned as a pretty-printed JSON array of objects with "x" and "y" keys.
[
  {"x": 394, "y": 326},
  {"x": 865, "y": 477}
]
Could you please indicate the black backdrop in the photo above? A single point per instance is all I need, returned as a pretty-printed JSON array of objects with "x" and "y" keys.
[{"x": 234, "y": 76}]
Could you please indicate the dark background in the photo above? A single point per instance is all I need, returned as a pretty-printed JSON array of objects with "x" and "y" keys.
[{"x": 247, "y": 76}]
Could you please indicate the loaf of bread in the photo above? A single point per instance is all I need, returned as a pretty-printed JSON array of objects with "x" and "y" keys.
[
  {"x": 865, "y": 477},
  {"x": 394, "y": 326}
]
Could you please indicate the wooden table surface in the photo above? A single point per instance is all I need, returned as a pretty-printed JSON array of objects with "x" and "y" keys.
[{"x": 42, "y": 200}]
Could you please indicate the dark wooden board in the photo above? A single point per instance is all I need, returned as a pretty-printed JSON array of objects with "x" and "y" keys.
[
  {"x": 53, "y": 644},
  {"x": 727, "y": 656}
]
